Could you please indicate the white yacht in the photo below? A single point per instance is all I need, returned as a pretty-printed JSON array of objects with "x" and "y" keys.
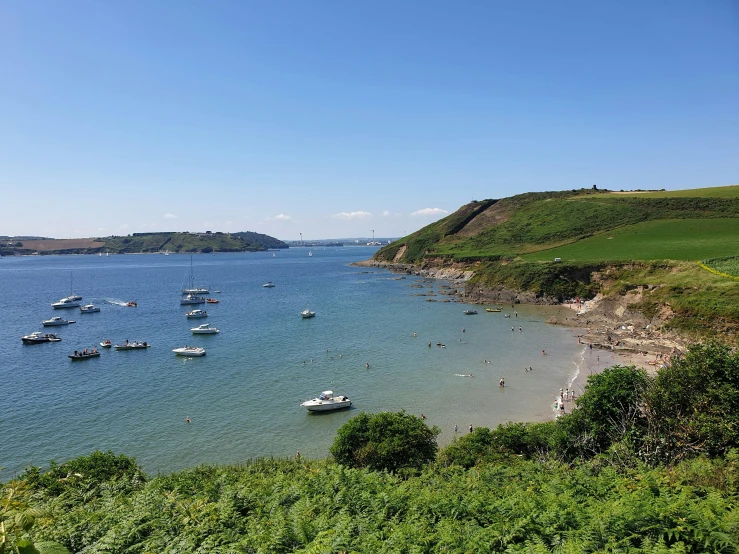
[
  {"x": 268, "y": 285},
  {"x": 38, "y": 337},
  {"x": 192, "y": 299},
  {"x": 195, "y": 314},
  {"x": 190, "y": 288},
  {"x": 189, "y": 351},
  {"x": 68, "y": 302},
  {"x": 204, "y": 329},
  {"x": 89, "y": 309},
  {"x": 327, "y": 401},
  {"x": 56, "y": 321}
]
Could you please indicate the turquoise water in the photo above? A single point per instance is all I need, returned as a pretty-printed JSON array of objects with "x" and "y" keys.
[{"x": 243, "y": 397}]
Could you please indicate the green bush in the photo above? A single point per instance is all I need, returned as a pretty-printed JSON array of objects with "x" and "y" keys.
[{"x": 386, "y": 442}]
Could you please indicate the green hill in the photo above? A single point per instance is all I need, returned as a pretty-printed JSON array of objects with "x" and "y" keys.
[{"x": 553, "y": 244}]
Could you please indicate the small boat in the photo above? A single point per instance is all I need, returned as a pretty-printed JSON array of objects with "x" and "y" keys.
[
  {"x": 131, "y": 304},
  {"x": 470, "y": 312},
  {"x": 106, "y": 343},
  {"x": 192, "y": 299},
  {"x": 68, "y": 302},
  {"x": 39, "y": 337},
  {"x": 89, "y": 309},
  {"x": 195, "y": 314},
  {"x": 326, "y": 401},
  {"x": 268, "y": 285},
  {"x": 136, "y": 345},
  {"x": 84, "y": 355},
  {"x": 204, "y": 329},
  {"x": 305, "y": 314},
  {"x": 212, "y": 301},
  {"x": 189, "y": 351},
  {"x": 310, "y": 252},
  {"x": 56, "y": 321},
  {"x": 492, "y": 309}
]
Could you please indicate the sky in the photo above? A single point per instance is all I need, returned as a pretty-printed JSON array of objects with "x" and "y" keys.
[{"x": 344, "y": 118}]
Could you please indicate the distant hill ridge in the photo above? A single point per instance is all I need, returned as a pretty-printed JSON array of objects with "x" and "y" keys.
[{"x": 145, "y": 243}]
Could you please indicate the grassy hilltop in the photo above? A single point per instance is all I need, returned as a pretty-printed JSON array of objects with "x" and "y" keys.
[{"x": 681, "y": 247}]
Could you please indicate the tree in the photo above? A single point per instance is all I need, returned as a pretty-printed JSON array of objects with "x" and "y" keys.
[
  {"x": 386, "y": 441},
  {"x": 693, "y": 405},
  {"x": 610, "y": 410}
]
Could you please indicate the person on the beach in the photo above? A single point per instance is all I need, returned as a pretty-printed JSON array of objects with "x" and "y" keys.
[
  {"x": 470, "y": 427},
  {"x": 455, "y": 427},
  {"x": 502, "y": 382}
]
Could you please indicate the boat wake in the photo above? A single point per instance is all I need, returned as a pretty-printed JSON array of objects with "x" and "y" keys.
[{"x": 117, "y": 302}]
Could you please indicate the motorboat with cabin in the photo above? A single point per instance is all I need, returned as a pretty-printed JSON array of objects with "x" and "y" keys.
[
  {"x": 305, "y": 314},
  {"x": 190, "y": 351},
  {"x": 327, "y": 401},
  {"x": 196, "y": 314},
  {"x": 212, "y": 301},
  {"x": 470, "y": 312},
  {"x": 192, "y": 299},
  {"x": 54, "y": 321},
  {"x": 89, "y": 309},
  {"x": 204, "y": 329},
  {"x": 38, "y": 337},
  {"x": 68, "y": 302}
]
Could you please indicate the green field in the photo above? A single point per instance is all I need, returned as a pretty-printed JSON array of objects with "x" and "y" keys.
[
  {"x": 731, "y": 191},
  {"x": 681, "y": 239},
  {"x": 724, "y": 266}
]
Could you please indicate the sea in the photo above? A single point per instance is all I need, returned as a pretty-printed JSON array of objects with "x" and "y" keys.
[{"x": 387, "y": 341}]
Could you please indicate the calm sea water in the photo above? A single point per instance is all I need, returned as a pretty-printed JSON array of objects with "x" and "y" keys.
[{"x": 243, "y": 397}]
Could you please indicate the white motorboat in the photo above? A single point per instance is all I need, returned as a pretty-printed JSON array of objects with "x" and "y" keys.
[
  {"x": 38, "y": 337},
  {"x": 136, "y": 345},
  {"x": 189, "y": 351},
  {"x": 68, "y": 302},
  {"x": 204, "y": 329},
  {"x": 192, "y": 299},
  {"x": 305, "y": 314},
  {"x": 56, "y": 321},
  {"x": 195, "y": 314},
  {"x": 190, "y": 287},
  {"x": 470, "y": 312},
  {"x": 89, "y": 309},
  {"x": 268, "y": 285},
  {"x": 106, "y": 343},
  {"x": 327, "y": 401}
]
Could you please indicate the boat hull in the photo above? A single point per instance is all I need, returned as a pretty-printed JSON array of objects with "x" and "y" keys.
[
  {"x": 326, "y": 406},
  {"x": 83, "y": 356},
  {"x": 189, "y": 352}
]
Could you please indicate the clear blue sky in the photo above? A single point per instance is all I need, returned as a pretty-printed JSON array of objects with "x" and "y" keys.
[{"x": 332, "y": 118}]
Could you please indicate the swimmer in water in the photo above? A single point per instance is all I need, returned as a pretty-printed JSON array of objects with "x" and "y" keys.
[{"x": 187, "y": 419}]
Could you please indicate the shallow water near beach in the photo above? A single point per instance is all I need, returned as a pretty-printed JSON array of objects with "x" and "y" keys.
[{"x": 243, "y": 397}]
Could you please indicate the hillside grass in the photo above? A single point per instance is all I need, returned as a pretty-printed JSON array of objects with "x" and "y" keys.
[
  {"x": 687, "y": 239},
  {"x": 731, "y": 191}
]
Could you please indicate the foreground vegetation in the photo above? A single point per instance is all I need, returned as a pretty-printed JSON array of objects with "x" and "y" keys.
[{"x": 644, "y": 464}]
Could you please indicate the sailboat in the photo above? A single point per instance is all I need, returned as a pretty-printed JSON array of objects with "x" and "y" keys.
[
  {"x": 190, "y": 288},
  {"x": 310, "y": 252},
  {"x": 71, "y": 301}
]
